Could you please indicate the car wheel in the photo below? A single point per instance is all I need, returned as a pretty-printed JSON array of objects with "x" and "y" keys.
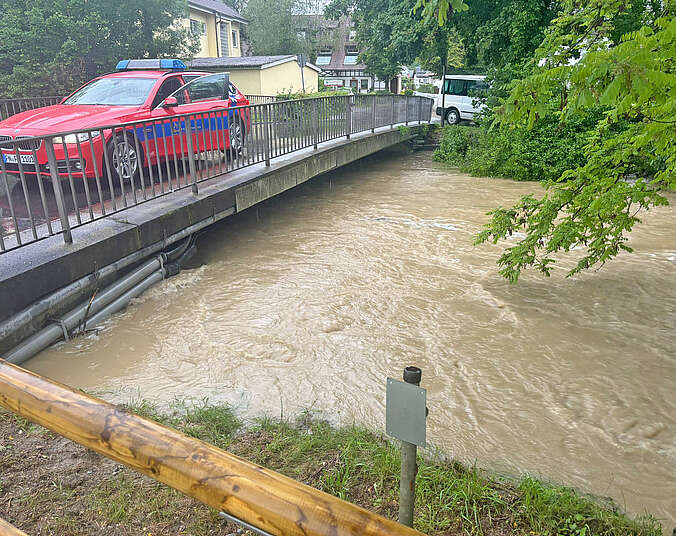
[
  {"x": 236, "y": 134},
  {"x": 452, "y": 116},
  {"x": 125, "y": 159}
]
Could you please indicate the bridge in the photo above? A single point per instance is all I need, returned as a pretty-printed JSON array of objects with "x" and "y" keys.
[{"x": 81, "y": 227}]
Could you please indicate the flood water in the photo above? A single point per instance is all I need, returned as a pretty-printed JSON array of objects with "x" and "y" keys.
[{"x": 314, "y": 298}]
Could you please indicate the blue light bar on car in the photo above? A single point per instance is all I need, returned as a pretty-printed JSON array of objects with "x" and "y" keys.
[{"x": 147, "y": 64}]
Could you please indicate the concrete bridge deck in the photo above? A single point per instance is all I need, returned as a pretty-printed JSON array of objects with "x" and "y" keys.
[{"x": 40, "y": 268}]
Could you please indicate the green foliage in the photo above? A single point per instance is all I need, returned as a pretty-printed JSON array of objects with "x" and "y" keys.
[
  {"x": 562, "y": 511},
  {"x": 630, "y": 155},
  {"x": 455, "y": 142},
  {"x": 541, "y": 153},
  {"x": 269, "y": 27},
  {"x": 49, "y": 47},
  {"x": 440, "y": 10},
  {"x": 283, "y": 27},
  {"x": 296, "y": 95},
  {"x": 427, "y": 88}
]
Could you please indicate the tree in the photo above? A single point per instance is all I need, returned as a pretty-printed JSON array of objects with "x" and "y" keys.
[
  {"x": 283, "y": 27},
  {"x": 53, "y": 46},
  {"x": 585, "y": 63},
  {"x": 391, "y": 35}
]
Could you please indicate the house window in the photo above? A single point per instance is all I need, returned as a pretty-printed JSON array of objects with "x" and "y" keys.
[
  {"x": 324, "y": 59},
  {"x": 352, "y": 35},
  {"x": 364, "y": 84},
  {"x": 197, "y": 27},
  {"x": 350, "y": 60},
  {"x": 234, "y": 39}
]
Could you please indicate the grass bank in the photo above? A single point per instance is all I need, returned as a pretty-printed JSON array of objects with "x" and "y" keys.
[{"x": 49, "y": 485}]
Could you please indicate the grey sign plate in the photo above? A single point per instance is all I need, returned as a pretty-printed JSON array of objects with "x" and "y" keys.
[{"x": 406, "y": 412}]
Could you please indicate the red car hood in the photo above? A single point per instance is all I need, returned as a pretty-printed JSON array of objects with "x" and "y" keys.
[{"x": 65, "y": 117}]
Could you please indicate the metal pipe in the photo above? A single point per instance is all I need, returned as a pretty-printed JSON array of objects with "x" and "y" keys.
[
  {"x": 53, "y": 332},
  {"x": 122, "y": 301},
  {"x": 265, "y": 499}
]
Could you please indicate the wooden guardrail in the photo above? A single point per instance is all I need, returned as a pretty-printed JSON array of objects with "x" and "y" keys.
[
  {"x": 265, "y": 499},
  {"x": 8, "y": 530}
]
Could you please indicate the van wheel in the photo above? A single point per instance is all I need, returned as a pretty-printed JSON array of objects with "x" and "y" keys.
[{"x": 452, "y": 116}]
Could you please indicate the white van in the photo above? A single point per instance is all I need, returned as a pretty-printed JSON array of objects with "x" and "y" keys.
[{"x": 459, "y": 96}]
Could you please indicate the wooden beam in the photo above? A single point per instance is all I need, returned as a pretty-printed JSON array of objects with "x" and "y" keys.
[
  {"x": 8, "y": 530},
  {"x": 263, "y": 498}
]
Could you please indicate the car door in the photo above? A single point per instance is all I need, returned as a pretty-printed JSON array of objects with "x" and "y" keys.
[
  {"x": 156, "y": 137},
  {"x": 206, "y": 97}
]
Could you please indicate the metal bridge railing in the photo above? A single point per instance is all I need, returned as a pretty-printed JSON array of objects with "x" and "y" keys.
[
  {"x": 52, "y": 184},
  {"x": 10, "y": 107},
  {"x": 265, "y": 501}
]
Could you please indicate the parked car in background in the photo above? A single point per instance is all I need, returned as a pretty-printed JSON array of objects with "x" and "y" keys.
[
  {"x": 140, "y": 90},
  {"x": 459, "y": 98}
]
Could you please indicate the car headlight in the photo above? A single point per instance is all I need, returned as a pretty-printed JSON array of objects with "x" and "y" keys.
[{"x": 69, "y": 139}]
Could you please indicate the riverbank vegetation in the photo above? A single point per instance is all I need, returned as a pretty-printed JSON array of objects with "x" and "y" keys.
[{"x": 49, "y": 485}]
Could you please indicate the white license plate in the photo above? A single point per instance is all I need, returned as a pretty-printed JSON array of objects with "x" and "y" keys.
[{"x": 25, "y": 158}]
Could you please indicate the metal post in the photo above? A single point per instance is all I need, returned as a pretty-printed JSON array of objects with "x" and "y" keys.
[
  {"x": 315, "y": 123},
  {"x": 266, "y": 133},
  {"x": 392, "y": 118},
  {"x": 443, "y": 95},
  {"x": 406, "y": 106},
  {"x": 191, "y": 156},
  {"x": 420, "y": 99},
  {"x": 409, "y": 468},
  {"x": 348, "y": 116},
  {"x": 58, "y": 191},
  {"x": 373, "y": 119}
]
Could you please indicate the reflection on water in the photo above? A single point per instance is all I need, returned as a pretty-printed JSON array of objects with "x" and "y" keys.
[{"x": 314, "y": 298}]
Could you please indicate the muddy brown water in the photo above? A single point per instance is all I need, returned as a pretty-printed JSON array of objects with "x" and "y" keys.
[{"x": 314, "y": 298}]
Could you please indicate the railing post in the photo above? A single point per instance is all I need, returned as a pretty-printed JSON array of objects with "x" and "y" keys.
[
  {"x": 392, "y": 114},
  {"x": 420, "y": 99},
  {"x": 315, "y": 123},
  {"x": 266, "y": 134},
  {"x": 373, "y": 119},
  {"x": 406, "y": 106},
  {"x": 58, "y": 191},
  {"x": 348, "y": 116},
  {"x": 191, "y": 155}
]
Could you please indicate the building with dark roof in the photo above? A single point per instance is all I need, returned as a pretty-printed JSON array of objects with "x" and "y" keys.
[
  {"x": 264, "y": 75},
  {"x": 339, "y": 59},
  {"x": 218, "y": 27}
]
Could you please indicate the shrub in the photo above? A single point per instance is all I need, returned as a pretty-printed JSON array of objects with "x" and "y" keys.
[
  {"x": 427, "y": 88},
  {"x": 455, "y": 142},
  {"x": 543, "y": 152}
]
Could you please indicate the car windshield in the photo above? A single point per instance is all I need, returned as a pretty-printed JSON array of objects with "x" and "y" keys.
[{"x": 113, "y": 92}]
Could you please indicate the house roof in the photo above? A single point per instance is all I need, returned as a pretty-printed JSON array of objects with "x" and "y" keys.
[
  {"x": 245, "y": 62},
  {"x": 338, "y": 61},
  {"x": 218, "y": 7}
]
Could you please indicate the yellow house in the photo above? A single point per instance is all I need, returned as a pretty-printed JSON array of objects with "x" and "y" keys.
[
  {"x": 218, "y": 27},
  {"x": 263, "y": 75}
]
